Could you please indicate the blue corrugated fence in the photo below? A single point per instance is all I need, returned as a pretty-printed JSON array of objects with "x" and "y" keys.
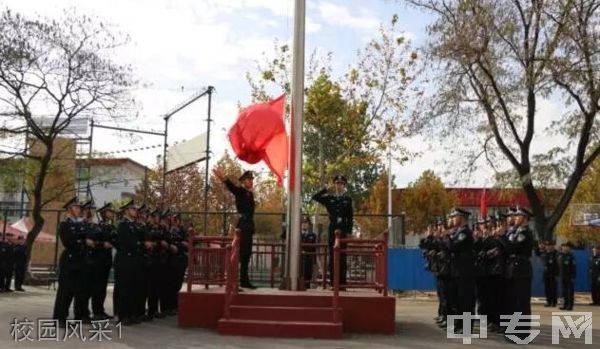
[{"x": 407, "y": 272}]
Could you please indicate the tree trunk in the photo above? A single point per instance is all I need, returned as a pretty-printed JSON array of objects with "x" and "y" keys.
[{"x": 38, "y": 219}]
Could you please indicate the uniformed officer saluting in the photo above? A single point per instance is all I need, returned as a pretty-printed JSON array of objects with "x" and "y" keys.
[
  {"x": 339, "y": 207},
  {"x": 244, "y": 203},
  {"x": 70, "y": 267},
  {"x": 518, "y": 270},
  {"x": 128, "y": 248}
]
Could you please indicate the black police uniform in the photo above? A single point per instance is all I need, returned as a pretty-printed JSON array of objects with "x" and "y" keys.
[
  {"x": 153, "y": 269},
  {"x": 127, "y": 265},
  {"x": 308, "y": 257},
  {"x": 443, "y": 262},
  {"x": 177, "y": 265},
  {"x": 594, "y": 268},
  {"x": 495, "y": 268},
  {"x": 20, "y": 256},
  {"x": 568, "y": 268},
  {"x": 103, "y": 259},
  {"x": 244, "y": 203},
  {"x": 71, "y": 271},
  {"x": 339, "y": 208},
  {"x": 462, "y": 269},
  {"x": 427, "y": 244},
  {"x": 550, "y": 259},
  {"x": 142, "y": 266},
  {"x": 519, "y": 248},
  {"x": 6, "y": 264},
  {"x": 164, "y": 272},
  {"x": 481, "y": 276}
]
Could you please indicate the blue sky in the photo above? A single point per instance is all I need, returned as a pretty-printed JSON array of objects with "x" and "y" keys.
[{"x": 195, "y": 43}]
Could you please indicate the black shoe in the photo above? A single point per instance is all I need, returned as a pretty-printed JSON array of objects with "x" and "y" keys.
[
  {"x": 62, "y": 324},
  {"x": 159, "y": 315},
  {"x": 562, "y": 308},
  {"x": 106, "y": 316},
  {"x": 248, "y": 285},
  {"x": 86, "y": 320},
  {"x": 147, "y": 318},
  {"x": 547, "y": 305},
  {"x": 8, "y": 290},
  {"x": 20, "y": 289}
]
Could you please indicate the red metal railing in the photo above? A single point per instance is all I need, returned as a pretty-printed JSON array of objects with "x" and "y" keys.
[
  {"x": 206, "y": 260},
  {"x": 232, "y": 259}
]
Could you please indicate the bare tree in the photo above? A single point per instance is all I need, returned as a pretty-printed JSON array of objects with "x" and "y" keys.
[
  {"x": 497, "y": 61},
  {"x": 52, "y": 72}
]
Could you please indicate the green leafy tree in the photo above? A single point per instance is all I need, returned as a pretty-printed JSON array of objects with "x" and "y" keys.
[{"x": 353, "y": 119}]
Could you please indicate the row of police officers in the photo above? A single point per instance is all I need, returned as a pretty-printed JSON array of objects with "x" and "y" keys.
[
  {"x": 13, "y": 262},
  {"x": 486, "y": 271},
  {"x": 147, "y": 250}
]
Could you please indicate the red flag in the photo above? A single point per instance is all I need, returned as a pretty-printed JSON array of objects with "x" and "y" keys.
[
  {"x": 483, "y": 205},
  {"x": 259, "y": 134}
]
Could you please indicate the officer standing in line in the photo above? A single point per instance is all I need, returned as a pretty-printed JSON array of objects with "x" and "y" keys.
[
  {"x": 442, "y": 261},
  {"x": 154, "y": 235},
  {"x": 143, "y": 261},
  {"x": 519, "y": 270},
  {"x": 339, "y": 207},
  {"x": 6, "y": 264},
  {"x": 244, "y": 203},
  {"x": 462, "y": 265},
  {"x": 427, "y": 245},
  {"x": 128, "y": 248},
  {"x": 308, "y": 236},
  {"x": 20, "y": 256},
  {"x": 549, "y": 256},
  {"x": 179, "y": 259},
  {"x": 595, "y": 275},
  {"x": 105, "y": 239},
  {"x": 164, "y": 272},
  {"x": 70, "y": 267},
  {"x": 92, "y": 233},
  {"x": 495, "y": 267},
  {"x": 480, "y": 236},
  {"x": 568, "y": 268}
]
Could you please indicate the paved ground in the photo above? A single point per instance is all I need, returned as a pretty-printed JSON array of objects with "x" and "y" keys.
[{"x": 414, "y": 329}]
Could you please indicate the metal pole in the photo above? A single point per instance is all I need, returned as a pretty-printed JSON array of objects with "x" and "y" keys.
[
  {"x": 164, "y": 179},
  {"x": 295, "y": 180},
  {"x": 389, "y": 190},
  {"x": 208, "y": 121}
]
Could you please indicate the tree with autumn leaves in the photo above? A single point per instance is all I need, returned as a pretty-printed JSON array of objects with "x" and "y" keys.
[{"x": 185, "y": 193}]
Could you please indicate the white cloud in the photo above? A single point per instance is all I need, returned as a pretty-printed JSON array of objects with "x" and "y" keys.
[{"x": 341, "y": 16}]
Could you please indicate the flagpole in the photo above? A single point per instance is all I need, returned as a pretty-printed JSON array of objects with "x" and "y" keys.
[{"x": 295, "y": 178}]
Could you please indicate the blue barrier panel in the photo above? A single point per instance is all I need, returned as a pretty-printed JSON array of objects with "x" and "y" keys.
[{"x": 407, "y": 272}]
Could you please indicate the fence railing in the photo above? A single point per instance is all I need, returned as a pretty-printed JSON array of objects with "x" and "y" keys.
[{"x": 206, "y": 260}]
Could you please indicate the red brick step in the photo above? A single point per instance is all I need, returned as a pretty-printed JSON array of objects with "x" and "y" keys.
[
  {"x": 281, "y": 329},
  {"x": 279, "y": 313}
]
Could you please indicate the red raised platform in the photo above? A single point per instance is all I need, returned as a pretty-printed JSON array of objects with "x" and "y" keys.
[{"x": 268, "y": 312}]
